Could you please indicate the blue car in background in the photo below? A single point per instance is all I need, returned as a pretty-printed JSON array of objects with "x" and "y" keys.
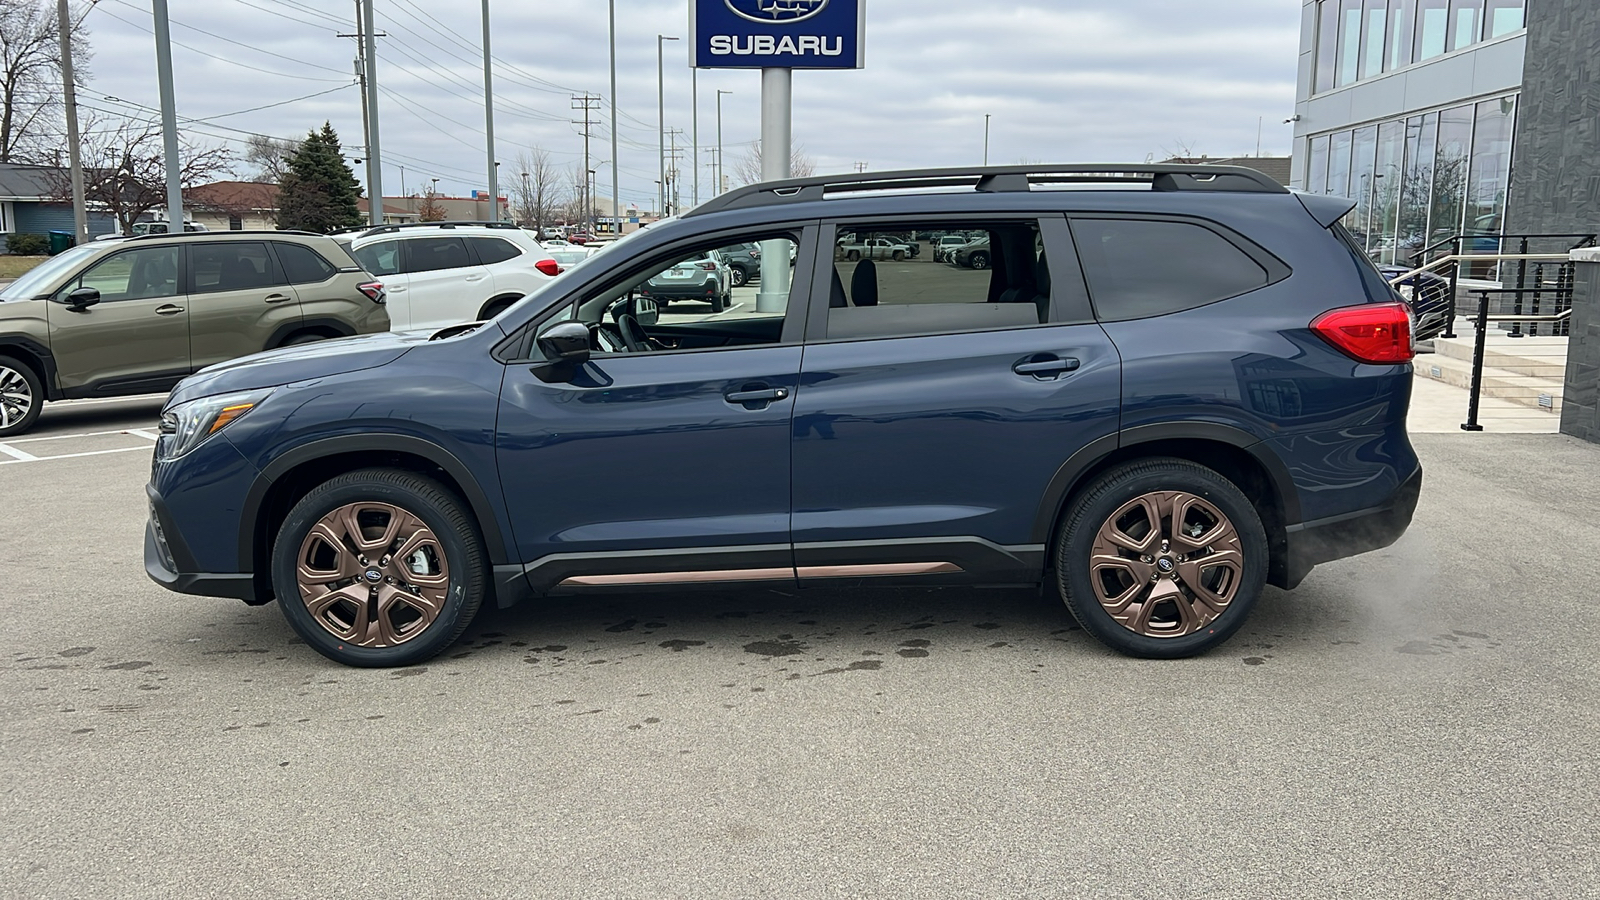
[{"x": 1171, "y": 386}]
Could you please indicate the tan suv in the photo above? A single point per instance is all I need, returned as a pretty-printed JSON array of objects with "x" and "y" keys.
[{"x": 134, "y": 316}]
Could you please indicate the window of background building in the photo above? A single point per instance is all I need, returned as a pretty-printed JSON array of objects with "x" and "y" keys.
[
  {"x": 1387, "y": 182},
  {"x": 1450, "y": 173},
  {"x": 1317, "y": 166},
  {"x": 1422, "y": 142},
  {"x": 1433, "y": 26},
  {"x": 1502, "y": 17},
  {"x": 1363, "y": 147},
  {"x": 1327, "y": 44},
  {"x": 1372, "y": 33},
  {"x": 1339, "y": 164},
  {"x": 1397, "y": 39},
  {"x": 1349, "y": 41},
  {"x": 1490, "y": 168},
  {"x": 1465, "y": 16}
]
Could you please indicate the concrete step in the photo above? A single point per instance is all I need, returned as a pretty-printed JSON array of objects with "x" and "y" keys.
[
  {"x": 1532, "y": 391},
  {"x": 1540, "y": 357}
]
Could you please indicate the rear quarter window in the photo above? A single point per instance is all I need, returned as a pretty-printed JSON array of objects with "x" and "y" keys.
[
  {"x": 493, "y": 250},
  {"x": 1138, "y": 268}
]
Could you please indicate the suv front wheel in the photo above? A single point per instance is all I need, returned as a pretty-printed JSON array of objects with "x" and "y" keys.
[
  {"x": 21, "y": 397},
  {"x": 379, "y": 567},
  {"x": 1162, "y": 558}
]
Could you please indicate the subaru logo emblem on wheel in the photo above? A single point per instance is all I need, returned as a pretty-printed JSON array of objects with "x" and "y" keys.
[
  {"x": 374, "y": 576},
  {"x": 769, "y": 11}
]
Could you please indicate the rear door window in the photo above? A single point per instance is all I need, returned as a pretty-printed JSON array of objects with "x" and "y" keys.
[
  {"x": 1139, "y": 268},
  {"x": 434, "y": 254},
  {"x": 232, "y": 266},
  {"x": 382, "y": 258},
  {"x": 492, "y": 250},
  {"x": 303, "y": 265}
]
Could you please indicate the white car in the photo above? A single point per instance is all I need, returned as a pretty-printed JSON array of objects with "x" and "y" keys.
[{"x": 444, "y": 273}]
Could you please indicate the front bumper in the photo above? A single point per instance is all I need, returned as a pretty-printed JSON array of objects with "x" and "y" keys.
[
  {"x": 169, "y": 563},
  {"x": 1326, "y": 540}
]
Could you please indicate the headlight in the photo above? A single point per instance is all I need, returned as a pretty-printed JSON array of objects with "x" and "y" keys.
[{"x": 185, "y": 426}]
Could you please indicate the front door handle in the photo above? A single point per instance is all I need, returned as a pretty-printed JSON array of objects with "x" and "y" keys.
[
  {"x": 1044, "y": 366},
  {"x": 757, "y": 396},
  {"x": 277, "y": 298},
  {"x": 168, "y": 309}
]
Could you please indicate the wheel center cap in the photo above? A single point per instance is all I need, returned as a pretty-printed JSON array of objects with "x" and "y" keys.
[
  {"x": 1164, "y": 564},
  {"x": 374, "y": 576}
]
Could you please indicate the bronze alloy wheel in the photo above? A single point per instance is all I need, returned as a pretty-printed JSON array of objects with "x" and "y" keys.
[
  {"x": 372, "y": 575},
  {"x": 1166, "y": 564},
  {"x": 16, "y": 398}
]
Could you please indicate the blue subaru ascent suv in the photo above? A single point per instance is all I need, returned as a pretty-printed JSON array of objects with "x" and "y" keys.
[{"x": 1171, "y": 386}]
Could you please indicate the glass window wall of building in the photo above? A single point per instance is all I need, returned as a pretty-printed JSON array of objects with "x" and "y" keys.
[
  {"x": 1358, "y": 39},
  {"x": 1422, "y": 179}
]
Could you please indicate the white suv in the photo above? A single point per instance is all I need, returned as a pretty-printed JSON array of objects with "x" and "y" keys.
[{"x": 445, "y": 273}]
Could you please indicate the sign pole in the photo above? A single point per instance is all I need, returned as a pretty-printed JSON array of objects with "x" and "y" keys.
[{"x": 777, "y": 121}]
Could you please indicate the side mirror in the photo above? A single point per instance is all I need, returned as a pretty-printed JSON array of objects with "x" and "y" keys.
[
  {"x": 80, "y": 299},
  {"x": 565, "y": 347},
  {"x": 645, "y": 310}
]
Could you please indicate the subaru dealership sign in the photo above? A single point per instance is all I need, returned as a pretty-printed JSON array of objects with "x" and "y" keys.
[{"x": 778, "y": 34}]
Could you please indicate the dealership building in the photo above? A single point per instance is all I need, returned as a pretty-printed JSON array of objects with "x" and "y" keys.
[{"x": 1447, "y": 117}]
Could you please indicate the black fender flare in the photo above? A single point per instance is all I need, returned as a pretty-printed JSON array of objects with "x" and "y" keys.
[
  {"x": 1071, "y": 472},
  {"x": 283, "y": 331},
  {"x": 33, "y": 350},
  {"x": 477, "y": 501}
]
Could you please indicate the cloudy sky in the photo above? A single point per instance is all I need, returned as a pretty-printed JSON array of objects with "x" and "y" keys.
[{"x": 1066, "y": 80}]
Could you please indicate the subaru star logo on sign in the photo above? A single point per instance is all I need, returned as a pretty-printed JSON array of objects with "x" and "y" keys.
[{"x": 781, "y": 34}]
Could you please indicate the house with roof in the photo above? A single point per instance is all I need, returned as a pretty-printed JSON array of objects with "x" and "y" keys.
[{"x": 28, "y": 203}]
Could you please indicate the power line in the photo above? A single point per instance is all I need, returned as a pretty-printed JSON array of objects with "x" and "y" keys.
[
  {"x": 226, "y": 40},
  {"x": 231, "y": 62}
]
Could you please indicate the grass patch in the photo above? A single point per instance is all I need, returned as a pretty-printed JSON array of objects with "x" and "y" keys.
[{"x": 17, "y": 266}]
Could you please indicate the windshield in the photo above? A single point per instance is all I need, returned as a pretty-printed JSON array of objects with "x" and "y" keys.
[{"x": 32, "y": 284}]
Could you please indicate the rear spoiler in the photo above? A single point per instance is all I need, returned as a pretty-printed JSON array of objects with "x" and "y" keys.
[{"x": 1326, "y": 209}]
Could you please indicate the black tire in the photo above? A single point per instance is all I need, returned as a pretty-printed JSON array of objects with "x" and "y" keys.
[
  {"x": 740, "y": 277},
  {"x": 1093, "y": 508},
  {"x": 304, "y": 337},
  {"x": 22, "y": 389},
  {"x": 899, "y": 256},
  {"x": 716, "y": 303},
  {"x": 978, "y": 260},
  {"x": 439, "y": 510},
  {"x": 853, "y": 255}
]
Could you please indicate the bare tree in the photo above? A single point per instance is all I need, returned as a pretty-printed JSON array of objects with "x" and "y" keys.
[
  {"x": 269, "y": 156},
  {"x": 30, "y": 78},
  {"x": 1182, "y": 152},
  {"x": 747, "y": 168},
  {"x": 430, "y": 210},
  {"x": 537, "y": 196},
  {"x": 124, "y": 170}
]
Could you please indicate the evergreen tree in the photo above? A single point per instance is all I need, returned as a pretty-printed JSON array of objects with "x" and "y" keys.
[{"x": 318, "y": 192}]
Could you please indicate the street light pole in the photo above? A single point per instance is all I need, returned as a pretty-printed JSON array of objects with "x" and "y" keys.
[
  {"x": 661, "y": 121},
  {"x": 986, "y": 138},
  {"x": 694, "y": 118},
  {"x": 169, "y": 117},
  {"x": 488, "y": 119},
  {"x": 721, "y": 163}
]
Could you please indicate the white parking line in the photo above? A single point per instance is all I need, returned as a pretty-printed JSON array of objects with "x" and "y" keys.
[
  {"x": 19, "y": 459},
  {"x": 15, "y": 454},
  {"x": 82, "y": 434},
  {"x": 144, "y": 434}
]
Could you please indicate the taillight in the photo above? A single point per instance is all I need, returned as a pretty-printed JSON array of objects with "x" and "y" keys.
[
  {"x": 548, "y": 266},
  {"x": 1370, "y": 333},
  {"x": 372, "y": 290}
]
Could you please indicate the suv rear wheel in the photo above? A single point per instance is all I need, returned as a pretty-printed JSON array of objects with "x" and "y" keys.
[
  {"x": 1162, "y": 558},
  {"x": 21, "y": 397},
  {"x": 740, "y": 276},
  {"x": 379, "y": 567}
]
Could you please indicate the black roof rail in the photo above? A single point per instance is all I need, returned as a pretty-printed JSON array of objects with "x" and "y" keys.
[
  {"x": 390, "y": 229},
  {"x": 201, "y": 235},
  {"x": 998, "y": 179}
]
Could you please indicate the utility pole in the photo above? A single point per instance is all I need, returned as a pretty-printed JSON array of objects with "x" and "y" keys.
[
  {"x": 586, "y": 103},
  {"x": 374, "y": 158},
  {"x": 673, "y": 157},
  {"x": 694, "y": 118},
  {"x": 777, "y": 139},
  {"x": 721, "y": 162},
  {"x": 169, "y": 117},
  {"x": 661, "y": 119},
  {"x": 986, "y": 138},
  {"x": 80, "y": 213},
  {"x": 361, "y": 78},
  {"x": 616, "y": 204},
  {"x": 488, "y": 120},
  {"x": 861, "y": 167}
]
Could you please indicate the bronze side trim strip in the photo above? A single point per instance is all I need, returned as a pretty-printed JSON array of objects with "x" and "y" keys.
[
  {"x": 678, "y": 577},
  {"x": 922, "y": 568}
]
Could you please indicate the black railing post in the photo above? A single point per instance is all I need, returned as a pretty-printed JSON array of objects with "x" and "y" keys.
[
  {"x": 1533, "y": 307},
  {"x": 1477, "y": 364},
  {"x": 1522, "y": 284},
  {"x": 1450, "y": 323}
]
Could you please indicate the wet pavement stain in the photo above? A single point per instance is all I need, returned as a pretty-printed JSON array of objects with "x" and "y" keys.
[
  {"x": 987, "y": 626},
  {"x": 620, "y": 627},
  {"x": 678, "y": 646},
  {"x": 776, "y": 648},
  {"x": 411, "y": 673},
  {"x": 129, "y": 666},
  {"x": 860, "y": 665},
  {"x": 1253, "y": 661},
  {"x": 914, "y": 649},
  {"x": 75, "y": 651},
  {"x": 1417, "y": 648}
]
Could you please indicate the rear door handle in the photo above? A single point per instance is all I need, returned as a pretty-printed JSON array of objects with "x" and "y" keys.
[
  {"x": 1044, "y": 366},
  {"x": 757, "y": 396},
  {"x": 277, "y": 298},
  {"x": 168, "y": 309}
]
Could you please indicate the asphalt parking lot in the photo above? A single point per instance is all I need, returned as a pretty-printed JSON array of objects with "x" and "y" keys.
[{"x": 1419, "y": 722}]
